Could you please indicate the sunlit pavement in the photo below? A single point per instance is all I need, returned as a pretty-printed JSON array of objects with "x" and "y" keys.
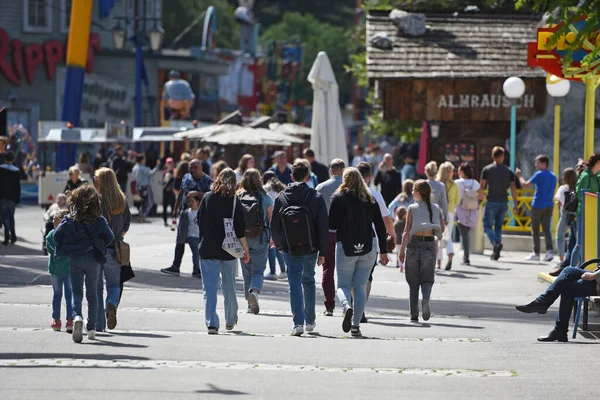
[{"x": 476, "y": 344}]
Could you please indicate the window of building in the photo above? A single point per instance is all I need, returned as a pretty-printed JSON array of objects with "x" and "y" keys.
[
  {"x": 65, "y": 17},
  {"x": 37, "y": 16}
]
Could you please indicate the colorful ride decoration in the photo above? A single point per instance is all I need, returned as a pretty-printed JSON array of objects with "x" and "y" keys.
[{"x": 21, "y": 144}]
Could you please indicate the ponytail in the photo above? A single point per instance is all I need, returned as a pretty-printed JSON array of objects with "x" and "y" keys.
[{"x": 428, "y": 202}]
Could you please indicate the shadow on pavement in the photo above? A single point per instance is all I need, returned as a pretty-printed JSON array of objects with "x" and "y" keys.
[
  {"x": 212, "y": 389},
  {"x": 99, "y": 342},
  {"x": 77, "y": 356},
  {"x": 138, "y": 335}
]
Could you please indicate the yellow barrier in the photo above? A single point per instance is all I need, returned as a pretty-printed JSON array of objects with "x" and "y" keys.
[{"x": 590, "y": 228}]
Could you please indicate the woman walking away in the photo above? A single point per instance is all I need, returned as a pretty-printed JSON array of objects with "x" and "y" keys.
[
  {"x": 566, "y": 218},
  {"x": 399, "y": 225},
  {"x": 273, "y": 187},
  {"x": 219, "y": 207},
  {"x": 446, "y": 176},
  {"x": 60, "y": 271},
  {"x": 143, "y": 179},
  {"x": 83, "y": 236},
  {"x": 246, "y": 162},
  {"x": 423, "y": 225},
  {"x": 168, "y": 184},
  {"x": 352, "y": 214},
  {"x": 404, "y": 199},
  {"x": 116, "y": 212},
  {"x": 258, "y": 211},
  {"x": 467, "y": 211}
]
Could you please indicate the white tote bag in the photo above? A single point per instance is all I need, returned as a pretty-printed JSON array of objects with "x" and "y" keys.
[{"x": 231, "y": 243}]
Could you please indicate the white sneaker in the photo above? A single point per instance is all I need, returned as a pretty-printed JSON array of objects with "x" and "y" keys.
[
  {"x": 533, "y": 257},
  {"x": 78, "y": 329},
  {"x": 91, "y": 335},
  {"x": 253, "y": 298},
  {"x": 297, "y": 331},
  {"x": 549, "y": 256},
  {"x": 282, "y": 275},
  {"x": 271, "y": 277},
  {"x": 249, "y": 309},
  {"x": 311, "y": 327}
]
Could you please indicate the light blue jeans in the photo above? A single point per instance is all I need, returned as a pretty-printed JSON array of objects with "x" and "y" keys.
[
  {"x": 275, "y": 257},
  {"x": 353, "y": 275},
  {"x": 111, "y": 271},
  {"x": 85, "y": 268},
  {"x": 58, "y": 282},
  {"x": 576, "y": 254},
  {"x": 254, "y": 271},
  {"x": 301, "y": 279},
  {"x": 214, "y": 271},
  {"x": 561, "y": 231}
]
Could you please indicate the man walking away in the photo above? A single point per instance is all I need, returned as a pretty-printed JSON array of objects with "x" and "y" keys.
[
  {"x": 389, "y": 179},
  {"x": 300, "y": 228},
  {"x": 542, "y": 206},
  {"x": 282, "y": 169},
  {"x": 122, "y": 167},
  {"x": 497, "y": 178},
  {"x": 320, "y": 170},
  {"x": 10, "y": 196},
  {"x": 327, "y": 189}
]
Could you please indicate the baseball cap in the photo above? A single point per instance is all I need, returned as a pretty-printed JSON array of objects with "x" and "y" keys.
[{"x": 168, "y": 160}]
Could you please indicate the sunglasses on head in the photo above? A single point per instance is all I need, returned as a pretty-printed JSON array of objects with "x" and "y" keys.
[{"x": 580, "y": 166}]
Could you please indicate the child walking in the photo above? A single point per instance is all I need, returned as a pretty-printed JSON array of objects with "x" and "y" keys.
[
  {"x": 60, "y": 271},
  {"x": 423, "y": 225},
  {"x": 399, "y": 225},
  {"x": 83, "y": 236},
  {"x": 189, "y": 232}
]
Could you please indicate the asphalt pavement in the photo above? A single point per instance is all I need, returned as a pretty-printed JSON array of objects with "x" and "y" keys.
[{"x": 475, "y": 346}]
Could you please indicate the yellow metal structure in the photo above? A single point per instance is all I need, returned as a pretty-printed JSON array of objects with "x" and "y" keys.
[
  {"x": 555, "y": 213},
  {"x": 590, "y": 105},
  {"x": 79, "y": 33}
]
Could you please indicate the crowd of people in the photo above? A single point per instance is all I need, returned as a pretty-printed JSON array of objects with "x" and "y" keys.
[{"x": 296, "y": 216}]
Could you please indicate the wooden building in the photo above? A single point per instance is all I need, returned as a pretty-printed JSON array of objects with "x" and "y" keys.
[{"x": 452, "y": 77}]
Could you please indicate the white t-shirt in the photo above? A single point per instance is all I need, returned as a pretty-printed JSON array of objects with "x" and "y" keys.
[
  {"x": 560, "y": 195},
  {"x": 193, "y": 228},
  {"x": 384, "y": 210}
]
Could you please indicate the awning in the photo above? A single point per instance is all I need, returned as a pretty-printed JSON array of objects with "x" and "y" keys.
[
  {"x": 207, "y": 131},
  {"x": 160, "y": 134},
  {"x": 83, "y": 135},
  {"x": 253, "y": 137},
  {"x": 291, "y": 129}
]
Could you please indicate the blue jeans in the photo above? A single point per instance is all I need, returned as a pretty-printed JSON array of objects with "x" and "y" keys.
[
  {"x": 353, "y": 275},
  {"x": 194, "y": 244},
  {"x": 301, "y": 278},
  {"x": 567, "y": 285},
  {"x": 7, "y": 207},
  {"x": 85, "y": 268},
  {"x": 212, "y": 271},
  {"x": 148, "y": 202},
  {"x": 570, "y": 246},
  {"x": 112, "y": 273},
  {"x": 561, "y": 231},
  {"x": 254, "y": 271},
  {"x": 576, "y": 254},
  {"x": 58, "y": 282},
  {"x": 275, "y": 255},
  {"x": 493, "y": 219}
]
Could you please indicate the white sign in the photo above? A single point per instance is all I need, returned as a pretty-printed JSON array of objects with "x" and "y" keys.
[
  {"x": 104, "y": 100},
  {"x": 483, "y": 101}
]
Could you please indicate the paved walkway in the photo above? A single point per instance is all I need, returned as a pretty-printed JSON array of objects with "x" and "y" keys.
[{"x": 476, "y": 344}]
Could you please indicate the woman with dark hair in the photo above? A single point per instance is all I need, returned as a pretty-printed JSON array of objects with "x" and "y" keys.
[
  {"x": 182, "y": 169},
  {"x": 424, "y": 223},
  {"x": 220, "y": 206},
  {"x": 467, "y": 211},
  {"x": 246, "y": 162},
  {"x": 569, "y": 184},
  {"x": 217, "y": 168}
]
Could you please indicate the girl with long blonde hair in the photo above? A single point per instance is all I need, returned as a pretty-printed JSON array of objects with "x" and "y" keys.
[
  {"x": 446, "y": 176},
  {"x": 115, "y": 210},
  {"x": 352, "y": 215},
  {"x": 259, "y": 211}
]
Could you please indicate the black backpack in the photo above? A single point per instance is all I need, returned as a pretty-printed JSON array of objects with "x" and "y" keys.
[
  {"x": 357, "y": 238},
  {"x": 571, "y": 202},
  {"x": 298, "y": 227},
  {"x": 253, "y": 211}
]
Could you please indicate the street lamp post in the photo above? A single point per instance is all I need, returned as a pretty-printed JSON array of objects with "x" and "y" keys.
[
  {"x": 514, "y": 88},
  {"x": 557, "y": 88},
  {"x": 156, "y": 35}
]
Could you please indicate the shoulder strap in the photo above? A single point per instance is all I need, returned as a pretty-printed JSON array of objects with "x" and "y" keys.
[
  {"x": 234, "y": 204},
  {"x": 284, "y": 201}
]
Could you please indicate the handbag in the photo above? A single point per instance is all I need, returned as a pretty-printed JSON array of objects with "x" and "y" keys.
[
  {"x": 98, "y": 255},
  {"x": 231, "y": 243},
  {"x": 122, "y": 252}
]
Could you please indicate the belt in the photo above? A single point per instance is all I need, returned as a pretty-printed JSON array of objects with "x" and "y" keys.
[{"x": 423, "y": 238}]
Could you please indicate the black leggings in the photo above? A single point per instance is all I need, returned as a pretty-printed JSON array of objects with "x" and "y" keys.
[
  {"x": 168, "y": 200},
  {"x": 464, "y": 240}
]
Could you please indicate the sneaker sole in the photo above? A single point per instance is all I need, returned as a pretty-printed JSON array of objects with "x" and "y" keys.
[
  {"x": 347, "y": 324},
  {"x": 169, "y": 272},
  {"x": 524, "y": 311},
  {"x": 426, "y": 311},
  {"x": 254, "y": 303},
  {"x": 111, "y": 316},
  {"x": 297, "y": 333},
  {"x": 357, "y": 335},
  {"x": 78, "y": 332}
]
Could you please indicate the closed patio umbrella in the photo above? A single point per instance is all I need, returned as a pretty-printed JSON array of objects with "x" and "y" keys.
[{"x": 328, "y": 139}]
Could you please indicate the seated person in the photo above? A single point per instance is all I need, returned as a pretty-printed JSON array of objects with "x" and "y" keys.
[{"x": 572, "y": 282}]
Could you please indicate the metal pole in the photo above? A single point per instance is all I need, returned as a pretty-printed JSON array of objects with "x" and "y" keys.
[
  {"x": 556, "y": 160},
  {"x": 513, "y": 136},
  {"x": 138, "y": 81},
  {"x": 590, "y": 104}
]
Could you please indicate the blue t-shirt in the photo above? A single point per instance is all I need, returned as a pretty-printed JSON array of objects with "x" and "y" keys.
[
  {"x": 267, "y": 202},
  {"x": 545, "y": 184},
  {"x": 285, "y": 176},
  {"x": 189, "y": 184}
]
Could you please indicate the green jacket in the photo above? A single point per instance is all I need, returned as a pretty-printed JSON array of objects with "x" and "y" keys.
[
  {"x": 586, "y": 181},
  {"x": 59, "y": 266}
]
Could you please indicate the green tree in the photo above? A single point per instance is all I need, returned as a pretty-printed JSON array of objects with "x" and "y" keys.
[
  {"x": 178, "y": 14},
  {"x": 315, "y": 36}
]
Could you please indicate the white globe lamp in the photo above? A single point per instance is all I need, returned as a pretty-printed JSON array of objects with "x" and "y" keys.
[
  {"x": 557, "y": 87},
  {"x": 514, "y": 87}
]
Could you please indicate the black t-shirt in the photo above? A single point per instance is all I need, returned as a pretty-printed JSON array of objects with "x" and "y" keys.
[
  {"x": 122, "y": 168},
  {"x": 498, "y": 177},
  {"x": 320, "y": 170},
  {"x": 391, "y": 184},
  {"x": 206, "y": 167}
]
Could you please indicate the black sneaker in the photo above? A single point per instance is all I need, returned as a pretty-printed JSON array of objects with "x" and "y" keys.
[
  {"x": 196, "y": 274},
  {"x": 170, "y": 271},
  {"x": 364, "y": 319},
  {"x": 414, "y": 320},
  {"x": 347, "y": 323},
  {"x": 498, "y": 250},
  {"x": 355, "y": 332},
  {"x": 494, "y": 250},
  {"x": 213, "y": 330}
]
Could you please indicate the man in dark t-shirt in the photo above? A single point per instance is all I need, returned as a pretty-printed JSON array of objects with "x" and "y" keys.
[
  {"x": 389, "y": 179},
  {"x": 320, "y": 170},
  {"x": 122, "y": 167},
  {"x": 497, "y": 178}
]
